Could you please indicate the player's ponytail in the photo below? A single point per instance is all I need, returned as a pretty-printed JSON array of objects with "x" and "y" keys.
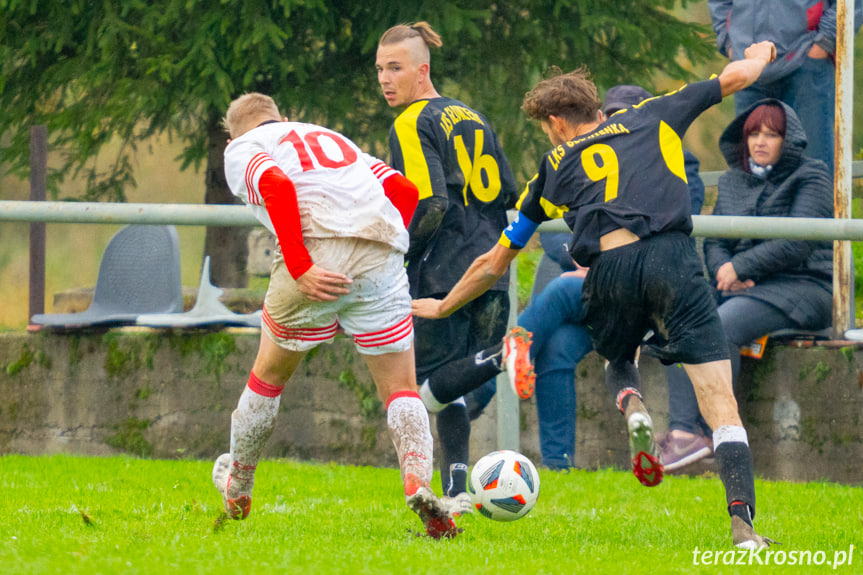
[{"x": 402, "y": 32}]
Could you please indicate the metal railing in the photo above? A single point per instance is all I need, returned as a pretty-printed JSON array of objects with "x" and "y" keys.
[{"x": 507, "y": 402}]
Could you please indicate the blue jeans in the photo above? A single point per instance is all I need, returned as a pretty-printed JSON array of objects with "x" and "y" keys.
[
  {"x": 559, "y": 343},
  {"x": 810, "y": 91},
  {"x": 744, "y": 320}
]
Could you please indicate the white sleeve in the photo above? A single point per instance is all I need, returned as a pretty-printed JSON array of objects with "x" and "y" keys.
[
  {"x": 245, "y": 161},
  {"x": 380, "y": 169}
]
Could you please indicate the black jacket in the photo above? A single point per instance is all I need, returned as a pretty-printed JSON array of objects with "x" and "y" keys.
[{"x": 795, "y": 276}]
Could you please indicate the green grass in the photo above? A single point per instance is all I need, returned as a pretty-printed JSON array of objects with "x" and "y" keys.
[
  {"x": 528, "y": 261},
  {"x": 67, "y": 514}
]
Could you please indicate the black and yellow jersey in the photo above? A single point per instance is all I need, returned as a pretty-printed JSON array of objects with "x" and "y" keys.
[
  {"x": 465, "y": 187},
  {"x": 627, "y": 173}
]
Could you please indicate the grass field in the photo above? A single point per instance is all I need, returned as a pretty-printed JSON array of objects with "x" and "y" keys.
[{"x": 71, "y": 515}]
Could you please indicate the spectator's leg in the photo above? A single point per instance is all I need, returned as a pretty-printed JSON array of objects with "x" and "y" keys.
[
  {"x": 683, "y": 414},
  {"x": 555, "y": 393},
  {"x": 811, "y": 92},
  {"x": 744, "y": 320},
  {"x": 557, "y": 305}
]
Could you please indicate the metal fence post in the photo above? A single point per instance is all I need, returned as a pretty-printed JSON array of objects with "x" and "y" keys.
[
  {"x": 38, "y": 185},
  {"x": 508, "y": 420}
]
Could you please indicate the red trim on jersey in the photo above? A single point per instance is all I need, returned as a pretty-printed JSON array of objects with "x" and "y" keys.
[
  {"x": 280, "y": 199},
  {"x": 387, "y": 336},
  {"x": 256, "y": 162},
  {"x": 261, "y": 387},
  {"x": 317, "y": 334},
  {"x": 403, "y": 194},
  {"x": 399, "y": 394}
]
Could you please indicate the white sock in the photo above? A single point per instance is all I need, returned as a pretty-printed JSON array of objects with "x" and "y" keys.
[
  {"x": 252, "y": 423},
  {"x": 429, "y": 400},
  {"x": 729, "y": 433},
  {"x": 408, "y": 423}
]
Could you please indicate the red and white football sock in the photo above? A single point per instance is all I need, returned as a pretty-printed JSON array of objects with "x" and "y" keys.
[
  {"x": 408, "y": 423},
  {"x": 252, "y": 423}
]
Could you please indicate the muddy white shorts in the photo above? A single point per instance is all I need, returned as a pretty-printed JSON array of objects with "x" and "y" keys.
[{"x": 376, "y": 313}]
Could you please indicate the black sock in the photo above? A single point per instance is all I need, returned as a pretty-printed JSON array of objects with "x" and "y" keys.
[
  {"x": 735, "y": 469},
  {"x": 453, "y": 429},
  {"x": 460, "y": 377},
  {"x": 618, "y": 376},
  {"x": 457, "y": 479}
]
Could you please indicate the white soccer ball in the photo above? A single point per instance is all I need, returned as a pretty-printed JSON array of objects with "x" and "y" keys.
[{"x": 503, "y": 485}]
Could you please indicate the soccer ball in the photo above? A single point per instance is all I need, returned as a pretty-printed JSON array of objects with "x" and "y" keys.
[{"x": 503, "y": 485}]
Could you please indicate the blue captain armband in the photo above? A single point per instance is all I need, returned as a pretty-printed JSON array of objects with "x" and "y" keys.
[{"x": 517, "y": 234}]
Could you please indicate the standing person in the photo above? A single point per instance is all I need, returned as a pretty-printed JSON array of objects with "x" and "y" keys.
[
  {"x": 621, "y": 187},
  {"x": 761, "y": 285},
  {"x": 452, "y": 154},
  {"x": 339, "y": 216},
  {"x": 803, "y": 74}
]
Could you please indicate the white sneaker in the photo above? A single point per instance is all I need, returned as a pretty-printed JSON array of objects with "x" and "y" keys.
[
  {"x": 457, "y": 505},
  {"x": 516, "y": 359},
  {"x": 239, "y": 506},
  {"x": 435, "y": 517}
]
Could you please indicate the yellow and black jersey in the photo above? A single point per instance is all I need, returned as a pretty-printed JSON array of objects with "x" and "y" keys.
[
  {"x": 465, "y": 187},
  {"x": 627, "y": 173}
]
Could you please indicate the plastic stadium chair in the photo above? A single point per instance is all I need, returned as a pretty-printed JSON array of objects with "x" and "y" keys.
[
  {"x": 208, "y": 310},
  {"x": 139, "y": 273}
]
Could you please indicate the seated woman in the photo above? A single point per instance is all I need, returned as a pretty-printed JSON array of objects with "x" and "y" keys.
[{"x": 761, "y": 285}]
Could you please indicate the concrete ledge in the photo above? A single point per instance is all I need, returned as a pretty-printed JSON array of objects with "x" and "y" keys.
[
  {"x": 170, "y": 395},
  {"x": 238, "y": 300}
]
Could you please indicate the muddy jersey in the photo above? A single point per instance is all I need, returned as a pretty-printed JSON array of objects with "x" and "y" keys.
[
  {"x": 627, "y": 173},
  {"x": 453, "y": 156},
  {"x": 338, "y": 193}
]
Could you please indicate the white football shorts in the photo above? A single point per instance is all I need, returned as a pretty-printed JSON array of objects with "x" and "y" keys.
[{"x": 376, "y": 313}]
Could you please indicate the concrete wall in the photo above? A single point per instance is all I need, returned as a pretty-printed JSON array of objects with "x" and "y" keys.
[{"x": 170, "y": 395}]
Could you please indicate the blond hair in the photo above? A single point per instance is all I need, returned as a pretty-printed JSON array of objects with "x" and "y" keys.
[
  {"x": 571, "y": 96},
  {"x": 248, "y": 109},
  {"x": 401, "y": 32}
]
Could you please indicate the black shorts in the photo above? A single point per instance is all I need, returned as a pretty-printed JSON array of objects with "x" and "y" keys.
[
  {"x": 653, "y": 284},
  {"x": 478, "y": 325}
]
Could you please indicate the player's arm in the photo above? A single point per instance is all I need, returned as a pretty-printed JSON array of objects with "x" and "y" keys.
[
  {"x": 482, "y": 273},
  {"x": 739, "y": 74},
  {"x": 479, "y": 277},
  {"x": 411, "y": 141},
  {"x": 400, "y": 191},
  {"x": 280, "y": 200}
]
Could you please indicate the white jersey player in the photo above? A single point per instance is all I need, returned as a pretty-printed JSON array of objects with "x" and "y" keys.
[{"x": 340, "y": 219}]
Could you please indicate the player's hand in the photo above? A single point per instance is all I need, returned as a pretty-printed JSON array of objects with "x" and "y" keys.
[
  {"x": 319, "y": 284},
  {"x": 764, "y": 50},
  {"x": 428, "y": 308}
]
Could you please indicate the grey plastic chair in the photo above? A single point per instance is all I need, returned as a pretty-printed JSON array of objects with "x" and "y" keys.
[
  {"x": 139, "y": 273},
  {"x": 208, "y": 310}
]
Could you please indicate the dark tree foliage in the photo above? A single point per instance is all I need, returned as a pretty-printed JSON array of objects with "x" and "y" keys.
[{"x": 124, "y": 70}]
